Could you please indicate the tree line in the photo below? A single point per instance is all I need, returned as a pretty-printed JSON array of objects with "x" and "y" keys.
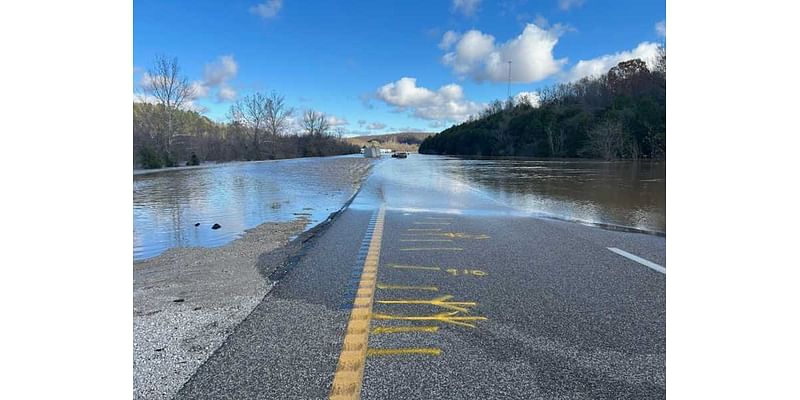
[
  {"x": 260, "y": 126},
  {"x": 619, "y": 115}
]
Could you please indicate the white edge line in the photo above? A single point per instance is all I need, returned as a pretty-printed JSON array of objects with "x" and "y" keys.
[{"x": 639, "y": 260}]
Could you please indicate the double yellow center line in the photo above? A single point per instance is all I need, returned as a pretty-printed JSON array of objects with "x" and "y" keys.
[{"x": 350, "y": 369}]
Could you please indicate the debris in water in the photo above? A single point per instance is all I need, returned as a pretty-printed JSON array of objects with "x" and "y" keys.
[{"x": 216, "y": 226}]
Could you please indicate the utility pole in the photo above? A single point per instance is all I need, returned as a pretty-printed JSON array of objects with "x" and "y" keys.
[{"x": 508, "y": 90}]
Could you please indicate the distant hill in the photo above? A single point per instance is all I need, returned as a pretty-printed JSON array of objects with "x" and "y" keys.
[{"x": 401, "y": 141}]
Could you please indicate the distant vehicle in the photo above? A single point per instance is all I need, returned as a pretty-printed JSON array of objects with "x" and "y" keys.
[{"x": 400, "y": 154}]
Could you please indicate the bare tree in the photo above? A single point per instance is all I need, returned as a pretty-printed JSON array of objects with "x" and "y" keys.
[
  {"x": 661, "y": 61},
  {"x": 315, "y": 123},
  {"x": 277, "y": 114},
  {"x": 251, "y": 111},
  {"x": 169, "y": 88},
  {"x": 607, "y": 138}
]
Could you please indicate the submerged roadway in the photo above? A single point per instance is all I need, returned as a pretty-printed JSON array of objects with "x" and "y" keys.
[{"x": 424, "y": 288}]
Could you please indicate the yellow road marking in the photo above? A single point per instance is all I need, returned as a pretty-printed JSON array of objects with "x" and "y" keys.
[
  {"x": 404, "y": 329},
  {"x": 414, "y": 267},
  {"x": 401, "y": 287},
  {"x": 446, "y": 317},
  {"x": 350, "y": 369},
  {"x": 439, "y": 302},
  {"x": 427, "y": 351},
  {"x": 431, "y": 249}
]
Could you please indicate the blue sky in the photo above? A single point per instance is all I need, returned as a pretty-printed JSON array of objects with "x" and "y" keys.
[{"x": 383, "y": 66}]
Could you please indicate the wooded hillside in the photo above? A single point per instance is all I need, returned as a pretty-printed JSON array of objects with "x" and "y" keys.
[{"x": 620, "y": 115}]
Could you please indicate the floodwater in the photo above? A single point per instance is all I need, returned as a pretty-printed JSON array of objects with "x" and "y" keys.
[
  {"x": 623, "y": 194},
  {"x": 166, "y": 205},
  {"x": 238, "y": 196}
]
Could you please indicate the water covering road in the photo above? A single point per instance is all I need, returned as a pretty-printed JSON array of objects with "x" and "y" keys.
[
  {"x": 168, "y": 204},
  {"x": 238, "y": 196},
  {"x": 427, "y": 287}
]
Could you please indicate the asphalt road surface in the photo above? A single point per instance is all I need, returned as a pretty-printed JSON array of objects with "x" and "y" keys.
[{"x": 424, "y": 288}]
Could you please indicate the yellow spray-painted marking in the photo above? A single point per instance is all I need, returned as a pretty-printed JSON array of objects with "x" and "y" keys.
[
  {"x": 414, "y": 267},
  {"x": 431, "y": 249},
  {"x": 423, "y": 229},
  {"x": 425, "y": 240},
  {"x": 445, "y": 317},
  {"x": 350, "y": 369},
  {"x": 425, "y": 351},
  {"x": 460, "y": 235},
  {"x": 439, "y": 302},
  {"x": 457, "y": 272},
  {"x": 403, "y": 287},
  {"x": 452, "y": 235},
  {"x": 404, "y": 329},
  {"x": 450, "y": 271}
]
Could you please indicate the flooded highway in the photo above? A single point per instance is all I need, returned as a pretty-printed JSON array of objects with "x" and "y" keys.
[
  {"x": 628, "y": 194},
  {"x": 238, "y": 196},
  {"x": 431, "y": 286},
  {"x": 168, "y": 204}
]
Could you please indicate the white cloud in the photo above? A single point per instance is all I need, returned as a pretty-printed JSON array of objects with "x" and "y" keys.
[
  {"x": 531, "y": 98},
  {"x": 448, "y": 39},
  {"x": 216, "y": 75},
  {"x": 645, "y": 51},
  {"x": 225, "y": 93},
  {"x": 146, "y": 81},
  {"x": 220, "y": 71},
  {"x": 567, "y": 4},
  {"x": 269, "y": 9},
  {"x": 199, "y": 90},
  {"x": 541, "y": 21},
  {"x": 376, "y": 126},
  {"x": 531, "y": 53},
  {"x": 466, "y": 7},
  {"x": 335, "y": 121},
  {"x": 661, "y": 28},
  {"x": 446, "y": 103}
]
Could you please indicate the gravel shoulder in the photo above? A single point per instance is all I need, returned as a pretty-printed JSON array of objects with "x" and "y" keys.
[{"x": 187, "y": 301}]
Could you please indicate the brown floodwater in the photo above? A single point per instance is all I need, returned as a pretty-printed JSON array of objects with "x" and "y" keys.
[
  {"x": 168, "y": 204},
  {"x": 625, "y": 193},
  {"x": 619, "y": 195}
]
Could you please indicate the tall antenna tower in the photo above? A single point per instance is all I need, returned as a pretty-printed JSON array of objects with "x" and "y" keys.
[{"x": 508, "y": 89}]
